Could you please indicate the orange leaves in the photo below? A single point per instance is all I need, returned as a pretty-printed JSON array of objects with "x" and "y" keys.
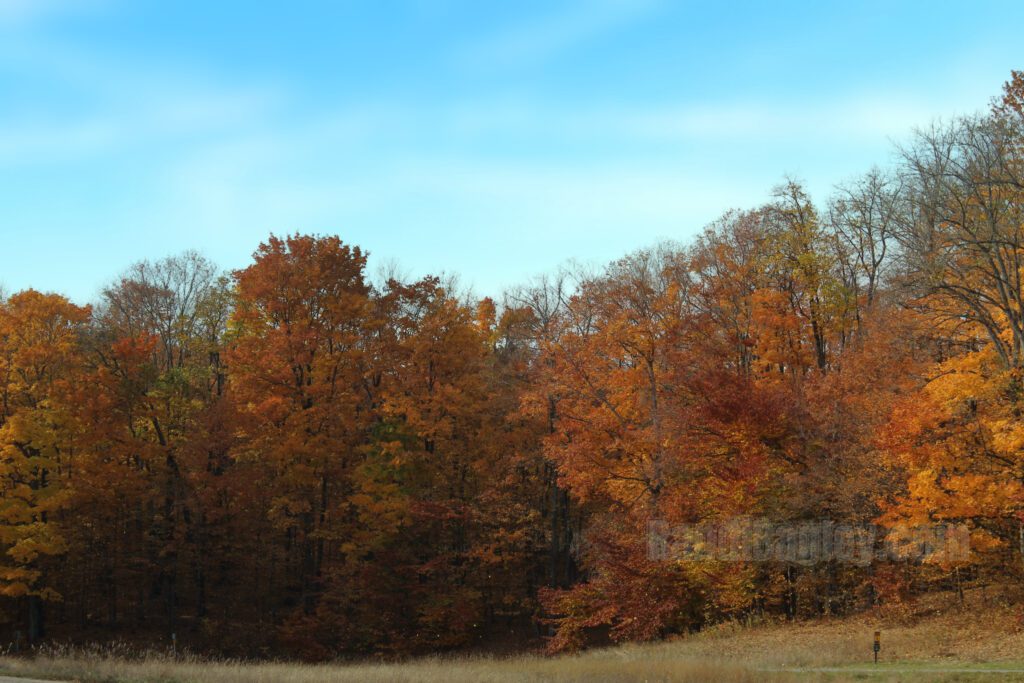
[
  {"x": 41, "y": 367},
  {"x": 390, "y": 468},
  {"x": 376, "y": 429},
  {"x": 636, "y": 598},
  {"x": 781, "y": 342},
  {"x": 959, "y": 440},
  {"x": 40, "y": 335}
]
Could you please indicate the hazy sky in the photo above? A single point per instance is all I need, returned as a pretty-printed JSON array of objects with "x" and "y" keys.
[{"x": 491, "y": 139}]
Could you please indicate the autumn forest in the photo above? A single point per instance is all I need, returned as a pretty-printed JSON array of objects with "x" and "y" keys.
[{"x": 303, "y": 459}]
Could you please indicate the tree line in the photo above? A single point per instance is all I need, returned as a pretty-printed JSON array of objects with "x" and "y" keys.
[{"x": 296, "y": 458}]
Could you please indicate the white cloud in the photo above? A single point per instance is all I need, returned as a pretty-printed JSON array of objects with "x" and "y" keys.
[
  {"x": 21, "y": 12},
  {"x": 232, "y": 115},
  {"x": 541, "y": 39},
  {"x": 118, "y": 126},
  {"x": 864, "y": 116},
  {"x": 224, "y": 165}
]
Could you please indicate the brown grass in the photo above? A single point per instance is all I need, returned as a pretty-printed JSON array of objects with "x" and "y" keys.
[
  {"x": 427, "y": 671},
  {"x": 936, "y": 630},
  {"x": 938, "y": 633}
]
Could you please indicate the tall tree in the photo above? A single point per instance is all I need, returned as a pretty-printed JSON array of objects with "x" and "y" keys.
[{"x": 40, "y": 367}]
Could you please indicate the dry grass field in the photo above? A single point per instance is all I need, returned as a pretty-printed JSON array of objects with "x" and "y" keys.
[{"x": 940, "y": 640}]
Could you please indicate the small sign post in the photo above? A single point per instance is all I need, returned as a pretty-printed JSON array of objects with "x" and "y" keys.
[{"x": 878, "y": 644}]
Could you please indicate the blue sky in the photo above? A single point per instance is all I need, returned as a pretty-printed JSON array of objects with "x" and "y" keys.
[{"x": 493, "y": 140}]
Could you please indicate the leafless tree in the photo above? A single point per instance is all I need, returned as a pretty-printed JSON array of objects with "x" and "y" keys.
[
  {"x": 183, "y": 300},
  {"x": 964, "y": 234},
  {"x": 865, "y": 216}
]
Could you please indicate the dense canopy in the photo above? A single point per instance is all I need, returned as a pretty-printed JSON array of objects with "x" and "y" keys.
[{"x": 297, "y": 458}]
